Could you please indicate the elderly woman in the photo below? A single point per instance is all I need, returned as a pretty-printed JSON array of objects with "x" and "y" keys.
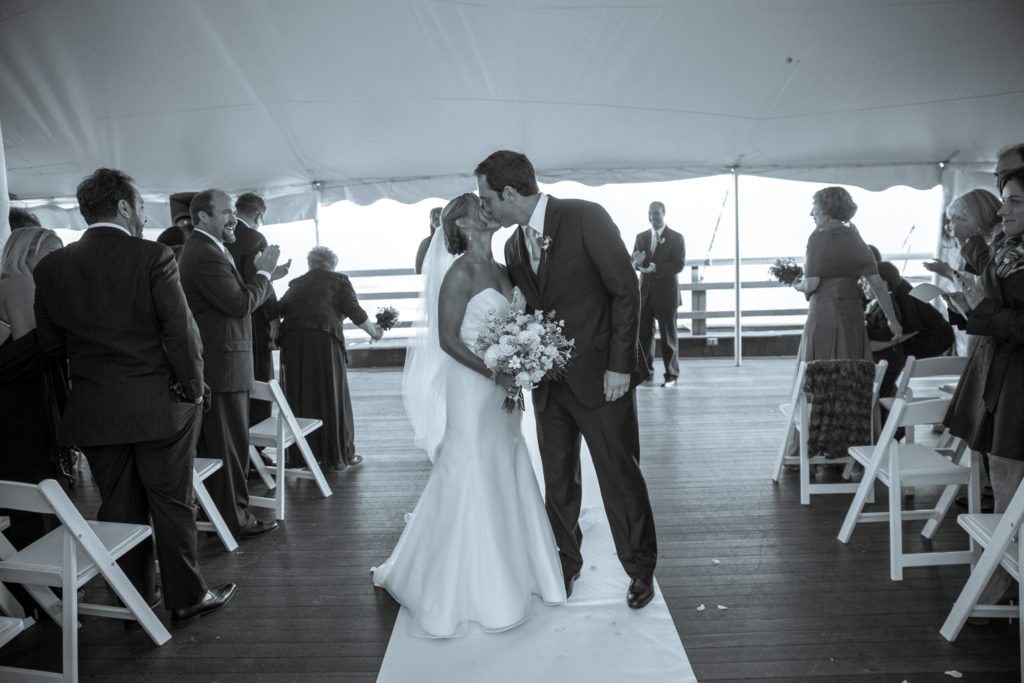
[
  {"x": 836, "y": 258},
  {"x": 986, "y": 408},
  {"x": 32, "y": 387},
  {"x": 313, "y": 358}
]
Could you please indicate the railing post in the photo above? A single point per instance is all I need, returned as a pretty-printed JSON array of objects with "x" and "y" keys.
[{"x": 698, "y": 304}]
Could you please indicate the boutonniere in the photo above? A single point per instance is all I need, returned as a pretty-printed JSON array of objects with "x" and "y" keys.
[
  {"x": 545, "y": 243},
  {"x": 661, "y": 241}
]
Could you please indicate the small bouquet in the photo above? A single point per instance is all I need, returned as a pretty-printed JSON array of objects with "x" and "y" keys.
[
  {"x": 529, "y": 347},
  {"x": 787, "y": 271},
  {"x": 387, "y": 317}
]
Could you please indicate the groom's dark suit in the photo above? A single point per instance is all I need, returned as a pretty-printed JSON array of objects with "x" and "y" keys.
[
  {"x": 112, "y": 305},
  {"x": 659, "y": 296},
  {"x": 586, "y": 278}
]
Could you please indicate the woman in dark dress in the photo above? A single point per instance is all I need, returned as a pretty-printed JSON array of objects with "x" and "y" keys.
[
  {"x": 32, "y": 386},
  {"x": 313, "y": 358},
  {"x": 836, "y": 258},
  {"x": 988, "y": 403}
]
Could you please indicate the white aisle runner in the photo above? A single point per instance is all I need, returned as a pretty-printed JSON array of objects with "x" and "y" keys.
[{"x": 595, "y": 637}]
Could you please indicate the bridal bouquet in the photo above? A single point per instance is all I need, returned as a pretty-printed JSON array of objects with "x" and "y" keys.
[
  {"x": 387, "y": 317},
  {"x": 787, "y": 271},
  {"x": 529, "y": 347}
]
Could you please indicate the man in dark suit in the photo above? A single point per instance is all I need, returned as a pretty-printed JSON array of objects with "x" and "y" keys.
[
  {"x": 250, "y": 210},
  {"x": 222, "y": 303},
  {"x": 112, "y": 305},
  {"x": 660, "y": 254},
  {"x": 568, "y": 257}
]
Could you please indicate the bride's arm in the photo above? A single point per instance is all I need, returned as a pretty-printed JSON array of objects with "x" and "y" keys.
[{"x": 456, "y": 290}]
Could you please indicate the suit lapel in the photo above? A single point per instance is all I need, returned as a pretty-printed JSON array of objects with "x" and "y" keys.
[{"x": 551, "y": 225}]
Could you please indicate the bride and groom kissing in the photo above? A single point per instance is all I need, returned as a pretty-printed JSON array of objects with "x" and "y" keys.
[{"x": 479, "y": 548}]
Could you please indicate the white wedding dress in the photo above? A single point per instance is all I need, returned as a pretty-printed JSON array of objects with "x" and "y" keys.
[{"x": 477, "y": 551}]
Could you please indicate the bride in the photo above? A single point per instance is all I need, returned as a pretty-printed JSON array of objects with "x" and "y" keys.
[{"x": 478, "y": 548}]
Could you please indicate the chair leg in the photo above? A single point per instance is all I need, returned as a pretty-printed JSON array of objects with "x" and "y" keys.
[
  {"x": 134, "y": 602},
  {"x": 213, "y": 514},
  {"x": 314, "y": 467},
  {"x": 261, "y": 469},
  {"x": 805, "y": 464},
  {"x": 976, "y": 583},
  {"x": 780, "y": 459},
  {"x": 941, "y": 509},
  {"x": 895, "y": 519},
  {"x": 69, "y": 611},
  {"x": 280, "y": 492}
]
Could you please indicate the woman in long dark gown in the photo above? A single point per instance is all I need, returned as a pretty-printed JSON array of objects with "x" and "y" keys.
[
  {"x": 32, "y": 386},
  {"x": 313, "y": 357},
  {"x": 987, "y": 405}
]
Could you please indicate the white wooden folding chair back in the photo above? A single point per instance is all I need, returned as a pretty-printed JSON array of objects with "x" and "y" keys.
[
  {"x": 922, "y": 377},
  {"x": 202, "y": 468},
  {"x": 1002, "y": 537},
  {"x": 279, "y": 431},
  {"x": 69, "y": 557},
  {"x": 897, "y": 465}
]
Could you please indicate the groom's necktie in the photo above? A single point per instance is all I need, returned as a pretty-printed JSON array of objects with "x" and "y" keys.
[{"x": 533, "y": 244}]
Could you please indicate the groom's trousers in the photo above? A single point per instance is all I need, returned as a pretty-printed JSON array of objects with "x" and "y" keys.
[{"x": 612, "y": 434}]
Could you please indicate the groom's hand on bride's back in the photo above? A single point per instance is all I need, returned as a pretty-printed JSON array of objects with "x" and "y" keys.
[{"x": 616, "y": 384}]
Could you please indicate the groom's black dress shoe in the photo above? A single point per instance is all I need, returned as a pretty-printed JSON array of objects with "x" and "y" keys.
[
  {"x": 568, "y": 584},
  {"x": 641, "y": 591},
  {"x": 256, "y": 527},
  {"x": 215, "y": 598}
]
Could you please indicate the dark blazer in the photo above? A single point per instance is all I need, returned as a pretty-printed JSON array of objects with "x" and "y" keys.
[
  {"x": 320, "y": 300},
  {"x": 586, "y": 278},
  {"x": 247, "y": 245},
  {"x": 222, "y": 303},
  {"x": 662, "y": 286},
  {"x": 113, "y": 306}
]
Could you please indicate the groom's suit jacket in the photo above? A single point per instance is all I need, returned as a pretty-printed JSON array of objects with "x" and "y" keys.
[
  {"x": 587, "y": 279},
  {"x": 661, "y": 287}
]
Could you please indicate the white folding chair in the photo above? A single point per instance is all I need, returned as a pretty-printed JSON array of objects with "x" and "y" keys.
[
  {"x": 278, "y": 432},
  {"x": 201, "y": 470},
  {"x": 1002, "y": 537},
  {"x": 798, "y": 415},
  {"x": 9, "y": 605},
  {"x": 897, "y": 465},
  {"x": 10, "y": 627},
  {"x": 922, "y": 378},
  {"x": 69, "y": 557}
]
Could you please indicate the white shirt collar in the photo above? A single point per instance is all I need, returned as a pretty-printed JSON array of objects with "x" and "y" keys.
[
  {"x": 537, "y": 217},
  {"x": 111, "y": 225},
  {"x": 213, "y": 239},
  {"x": 658, "y": 232}
]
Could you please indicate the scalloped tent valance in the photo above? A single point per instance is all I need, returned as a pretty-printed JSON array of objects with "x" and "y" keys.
[{"x": 401, "y": 98}]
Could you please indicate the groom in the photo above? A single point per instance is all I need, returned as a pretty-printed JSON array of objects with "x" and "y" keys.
[{"x": 567, "y": 257}]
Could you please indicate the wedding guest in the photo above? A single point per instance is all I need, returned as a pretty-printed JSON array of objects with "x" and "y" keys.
[
  {"x": 222, "y": 302},
  {"x": 836, "y": 258},
  {"x": 313, "y": 356},
  {"x": 985, "y": 409},
  {"x": 33, "y": 389},
  {"x": 175, "y": 236},
  {"x": 250, "y": 210},
  {"x": 660, "y": 254},
  {"x": 975, "y": 211},
  {"x": 21, "y": 218},
  {"x": 112, "y": 306},
  {"x": 421, "y": 252}
]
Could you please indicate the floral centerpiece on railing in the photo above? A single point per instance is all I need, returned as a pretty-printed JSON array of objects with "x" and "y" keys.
[{"x": 528, "y": 347}]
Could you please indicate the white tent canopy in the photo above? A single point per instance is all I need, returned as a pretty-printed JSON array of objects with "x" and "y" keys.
[{"x": 401, "y": 98}]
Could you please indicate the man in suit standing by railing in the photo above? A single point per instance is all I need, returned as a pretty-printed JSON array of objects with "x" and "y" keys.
[{"x": 659, "y": 254}]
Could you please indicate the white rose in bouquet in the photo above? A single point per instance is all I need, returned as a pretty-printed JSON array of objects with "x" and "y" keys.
[
  {"x": 491, "y": 356},
  {"x": 524, "y": 380}
]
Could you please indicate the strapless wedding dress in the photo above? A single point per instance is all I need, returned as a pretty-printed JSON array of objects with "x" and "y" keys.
[{"x": 478, "y": 550}]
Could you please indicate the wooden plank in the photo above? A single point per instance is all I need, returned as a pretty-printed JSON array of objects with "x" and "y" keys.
[{"x": 802, "y": 606}]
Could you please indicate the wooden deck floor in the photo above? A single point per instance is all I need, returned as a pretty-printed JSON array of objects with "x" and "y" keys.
[{"x": 802, "y": 606}]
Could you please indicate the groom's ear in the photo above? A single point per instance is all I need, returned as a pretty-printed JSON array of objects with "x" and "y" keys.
[{"x": 509, "y": 193}]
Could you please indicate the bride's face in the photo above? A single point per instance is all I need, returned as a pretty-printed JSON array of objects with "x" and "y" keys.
[{"x": 482, "y": 219}]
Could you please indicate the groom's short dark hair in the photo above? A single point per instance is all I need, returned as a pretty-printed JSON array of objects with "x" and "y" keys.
[{"x": 509, "y": 169}]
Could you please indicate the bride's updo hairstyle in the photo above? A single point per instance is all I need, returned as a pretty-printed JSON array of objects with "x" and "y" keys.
[{"x": 457, "y": 208}]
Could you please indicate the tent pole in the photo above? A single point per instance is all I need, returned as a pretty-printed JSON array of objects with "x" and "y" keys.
[
  {"x": 738, "y": 343},
  {"x": 319, "y": 187}
]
